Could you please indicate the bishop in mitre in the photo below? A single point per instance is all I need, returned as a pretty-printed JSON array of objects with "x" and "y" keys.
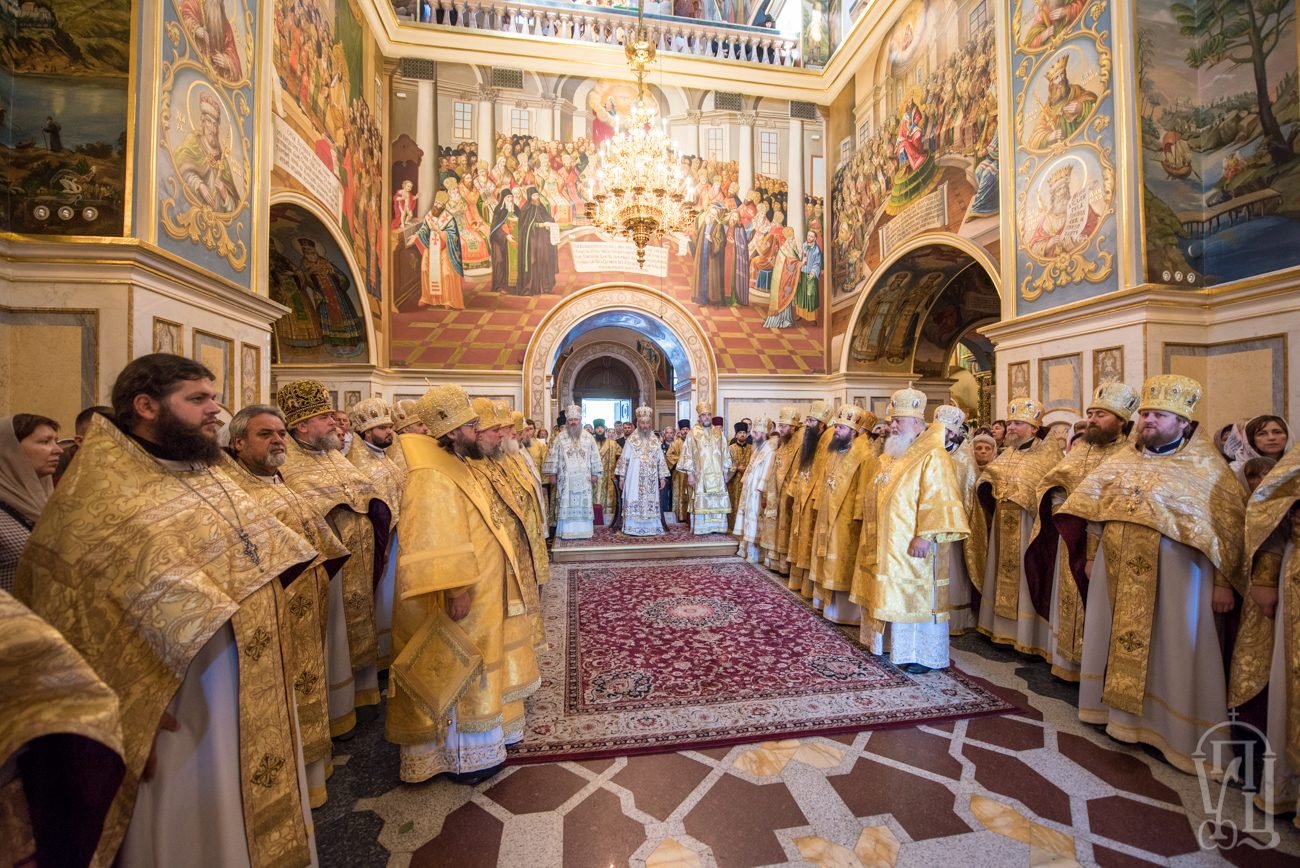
[
  {"x": 913, "y": 506},
  {"x": 167, "y": 579},
  {"x": 806, "y": 491},
  {"x": 777, "y": 500},
  {"x": 1061, "y": 564},
  {"x": 753, "y": 486},
  {"x": 1171, "y": 515},
  {"x": 573, "y": 467},
  {"x": 707, "y": 465},
  {"x": 850, "y": 465},
  {"x": 642, "y": 473}
]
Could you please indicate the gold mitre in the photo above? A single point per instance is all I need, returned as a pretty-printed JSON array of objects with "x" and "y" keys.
[
  {"x": 645, "y": 413},
  {"x": 302, "y": 400},
  {"x": 573, "y": 413},
  {"x": 1115, "y": 398},
  {"x": 404, "y": 415},
  {"x": 950, "y": 417},
  {"x": 487, "y": 417},
  {"x": 370, "y": 413},
  {"x": 1061, "y": 177},
  {"x": 1171, "y": 393},
  {"x": 907, "y": 403},
  {"x": 821, "y": 411},
  {"x": 1025, "y": 410},
  {"x": 518, "y": 421},
  {"x": 789, "y": 415},
  {"x": 503, "y": 414},
  {"x": 853, "y": 416},
  {"x": 702, "y": 407},
  {"x": 444, "y": 409}
]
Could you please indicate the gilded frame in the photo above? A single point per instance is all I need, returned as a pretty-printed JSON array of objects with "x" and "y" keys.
[
  {"x": 200, "y": 340},
  {"x": 1072, "y": 402},
  {"x": 1097, "y": 356},
  {"x": 1018, "y": 384},
  {"x": 163, "y": 327},
  {"x": 250, "y": 387}
]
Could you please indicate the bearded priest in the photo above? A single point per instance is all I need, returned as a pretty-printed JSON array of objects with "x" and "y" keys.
[
  {"x": 850, "y": 465},
  {"x": 707, "y": 465},
  {"x": 914, "y": 506},
  {"x": 572, "y": 468},
  {"x": 642, "y": 473}
]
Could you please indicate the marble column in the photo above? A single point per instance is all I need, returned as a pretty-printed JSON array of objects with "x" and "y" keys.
[
  {"x": 746, "y": 152},
  {"x": 579, "y": 126},
  {"x": 545, "y": 120},
  {"x": 794, "y": 217},
  {"x": 426, "y": 139},
  {"x": 693, "y": 134},
  {"x": 487, "y": 133},
  {"x": 557, "y": 119}
]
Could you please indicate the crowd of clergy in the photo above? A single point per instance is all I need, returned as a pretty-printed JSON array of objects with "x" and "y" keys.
[{"x": 199, "y": 610}]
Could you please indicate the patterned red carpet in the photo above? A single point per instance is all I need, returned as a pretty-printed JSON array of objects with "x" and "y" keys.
[
  {"x": 669, "y": 655},
  {"x": 677, "y": 533}
]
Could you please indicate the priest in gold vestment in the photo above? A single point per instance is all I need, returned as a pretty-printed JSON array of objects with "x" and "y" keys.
[
  {"x": 912, "y": 507},
  {"x": 455, "y": 697},
  {"x": 850, "y": 465},
  {"x": 1007, "y": 492},
  {"x": 316, "y": 469},
  {"x": 777, "y": 499},
  {"x": 405, "y": 421},
  {"x": 1267, "y": 653},
  {"x": 808, "y": 485},
  {"x": 707, "y": 465},
  {"x": 1172, "y": 515},
  {"x": 681, "y": 498},
  {"x": 742, "y": 448},
  {"x": 259, "y": 443},
  {"x": 60, "y": 745},
  {"x": 957, "y": 559},
  {"x": 528, "y": 477},
  {"x": 1053, "y": 567},
  {"x": 170, "y": 588},
  {"x": 604, "y": 491},
  {"x": 372, "y": 453}
]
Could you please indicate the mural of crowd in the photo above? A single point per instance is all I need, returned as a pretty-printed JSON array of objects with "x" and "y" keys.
[
  {"x": 507, "y": 221},
  {"x": 319, "y": 70},
  {"x": 953, "y": 112}
]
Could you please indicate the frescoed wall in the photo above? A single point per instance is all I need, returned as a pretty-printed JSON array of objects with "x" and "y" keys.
[
  {"x": 1064, "y": 126},
  {"x": 205, "y": 170},
  {"x": 1219, "y": 124},
  {"x": 310, "y": 276},
  {"x": 327, "y": 125},
  {"x": 63, "y": 116},
  {"x": 505, "y": 237},
  {"x": 925, "y": 149}
]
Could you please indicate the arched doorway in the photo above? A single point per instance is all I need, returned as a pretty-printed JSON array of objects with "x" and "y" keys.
[
  {"x": 920, "y": 317},
  {"x": 643, "y": 320}
]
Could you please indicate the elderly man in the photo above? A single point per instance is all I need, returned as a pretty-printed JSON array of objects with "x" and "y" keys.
[
  {"x": 808, "y": 485},
  {"x": 707, "y": 465},
  {"x": 1172, "y": 516},
  {"x": 573, "y": 467},
  {"x": 913, "y": 507},
  {"x": 776, "y": 500},
  {"x": 959, "y": 559},
  {"x": 1007, "y": 493},
  {"x": 642, "y": 475},
  {"x": 1058, "y": 576},
  {"x": 850, "y": 465}
]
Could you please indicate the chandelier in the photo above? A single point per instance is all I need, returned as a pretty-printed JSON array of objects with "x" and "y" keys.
[{"x": 636, "y": 190}]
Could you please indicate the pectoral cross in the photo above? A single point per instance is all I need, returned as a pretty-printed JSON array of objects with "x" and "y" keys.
[{"x": 250, "y": 548}]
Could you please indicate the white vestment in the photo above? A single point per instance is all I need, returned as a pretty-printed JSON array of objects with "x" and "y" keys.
[
  {"x": 642, "y": 467},
  {"x": 748, "y": 511},
  {"x": 573, "y": 463}
]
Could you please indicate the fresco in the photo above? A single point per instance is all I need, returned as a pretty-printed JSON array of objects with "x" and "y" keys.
[
  {"x": 931, "y": 162},
  {"x": 310, "y": 276},
  {"x": 63, "y": 116},
  {"x": 330, "y": 146},
  {"x": 205, "y": 148},
  {"x": 1065, "y": 140},
  {"x": 505, "y": 236},
  {"x": 1221, "y": 180}
]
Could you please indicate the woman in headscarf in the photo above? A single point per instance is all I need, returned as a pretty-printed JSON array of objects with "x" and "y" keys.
[
  {"x": 29, "y": 455},
  {"x": 1264, "y": 436}
]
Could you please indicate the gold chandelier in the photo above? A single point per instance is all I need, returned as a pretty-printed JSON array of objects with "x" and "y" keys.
[{"x": 636, "y": 190}]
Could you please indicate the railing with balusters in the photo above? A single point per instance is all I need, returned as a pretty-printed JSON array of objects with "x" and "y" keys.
[{"x": 603, "y": 25}]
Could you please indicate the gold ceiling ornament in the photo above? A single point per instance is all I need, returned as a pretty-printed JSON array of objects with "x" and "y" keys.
[{"x": 636, "y": 190}]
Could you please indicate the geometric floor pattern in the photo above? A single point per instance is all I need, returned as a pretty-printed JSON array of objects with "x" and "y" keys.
[{"x": 1028, "y": 789}]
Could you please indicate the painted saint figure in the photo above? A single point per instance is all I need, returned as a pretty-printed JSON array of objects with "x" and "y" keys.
[
  {"x": 340, "y": 325},
  {"x": 202, "y": 161},
  {"x": 1067, "y": 108},
  {"x": 441, "y": 271},
  {"x": 808, "y": 296}
]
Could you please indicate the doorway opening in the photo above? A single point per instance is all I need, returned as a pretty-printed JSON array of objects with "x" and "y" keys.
[{"x": 612, "y": 410}]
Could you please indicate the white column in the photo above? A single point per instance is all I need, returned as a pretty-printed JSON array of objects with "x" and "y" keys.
[
  {"x": 746, "y": 153},
  {"x": 557, "y": 119},
  {"x": 487, "y": 133},
  {"x": 693, "y": 133},
  {"x": 579, "y": 126},
  {"x": 794, "y": 172},
  {"x": 426, "y": 114},
  {"x": 545, "y": 118}
]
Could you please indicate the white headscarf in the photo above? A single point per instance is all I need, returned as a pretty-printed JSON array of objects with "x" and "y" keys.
[{"x": 20, "y": 487}]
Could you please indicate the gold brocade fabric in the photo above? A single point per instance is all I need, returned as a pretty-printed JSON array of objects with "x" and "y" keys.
[
  {"x": 387, "y": 476},
  {"x": 775, "y": 527},
  {"x": 509, "y": 511},
  {"x": 338, "y": 490},
  {"x": 1069, "y": 613},
  {"x": 604, "y": 490},
  {"x": 914, "y": 495},
  {"x": 304, "y": 605},
  {"x": 1006, "y": 538},
  {"x": 740, "y": 458},
  {"x": 839, "y": 519},
  {"x": 1008, "y": 486},
  {"x": 152, "y": 570},
  {"x": 449, "y": 543},
  {"x": 537, "y": 451},
  {"x": 1188, "y": 495},
  {"x": 1132, "y": 553},
  {"x": 1272, "y": 500},
  {"x": 807, "y": 490},
  {"x": 681, "y": 491},
  {"x": 1080, "y": 461},
  {"x": 533, "y": 516},
  {"x": 705, "y": 455},
  {"x": 976, "y": 546}
]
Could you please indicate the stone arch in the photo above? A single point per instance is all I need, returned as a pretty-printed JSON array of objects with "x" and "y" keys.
[
  {"x": 645, "y": 378},
  {"x": 540, "y": 356}
]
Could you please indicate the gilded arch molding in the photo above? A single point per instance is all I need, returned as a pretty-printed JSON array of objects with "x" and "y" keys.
[{"x": 585, "y": 355}]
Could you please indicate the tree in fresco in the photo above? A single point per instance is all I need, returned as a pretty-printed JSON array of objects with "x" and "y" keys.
[{"x": 1241, "y": 33}]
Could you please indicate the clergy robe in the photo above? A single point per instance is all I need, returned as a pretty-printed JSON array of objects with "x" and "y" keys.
[
  {"x": 774, "y": 530},
  {"x": 642, "y": 469},
  {"x": 441, "y": 271},
  {"x": 379, "y": 466},
  {"x": 838, "y": 529},
  {"x": 740, "y": 457},
  {"x": 749, "y": 510},
  {"x": 1171, "y": 531},
  {"x": 174, "y": 602},
  {"x": 681, "y": 496},
  {"x": 1267, "y": 654},
  {"x": 60, "y": 745},
  {"x": 1007, "y": 493},
  {"x": 531, "y": 502},
  {"x": 573, "y": 463},
  {"x": 955, "y": 557},
  {"x": 904, "y": 598},
  {"x": 705, "y": 455},
  {"x": 1051, "y": 567},
  {"x": 605, "y": 490},
  {"x": 808, "y": 487},
  {"x": 453, "y": 703}
]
